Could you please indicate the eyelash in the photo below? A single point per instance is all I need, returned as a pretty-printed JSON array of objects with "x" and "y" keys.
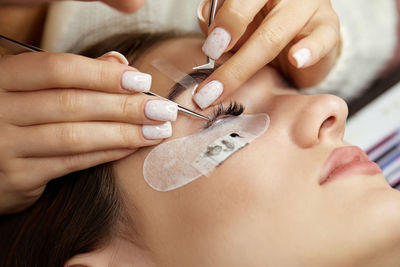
[{"x": 234, "y": 109}]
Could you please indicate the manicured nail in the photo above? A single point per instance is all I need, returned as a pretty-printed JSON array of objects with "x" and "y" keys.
[
  {"x": 161, "y": 110},
  {"x": 216, "y": 43},
  {"x": 302, "y": 57},
  {"x": 118, "y": 55},
  {"x": 136, "y": 81},
  {"x": 200, "y": 10},
  {"x": 208, "y": 94},
  {"x": 161, "y": 131}
]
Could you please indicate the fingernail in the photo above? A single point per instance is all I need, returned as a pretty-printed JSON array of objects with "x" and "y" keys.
[
  {"x": 161, "y": 110},
  {"x": 216, "y": 43},
  {"x": 161, "y": 131},
  {"x": 122, "y": 59},
  {"x": 200, "y": 10},
  {"x": 208, "y": 94},
  {"x": 302, "y": 57},
  {"x": 136, "y": 81}
]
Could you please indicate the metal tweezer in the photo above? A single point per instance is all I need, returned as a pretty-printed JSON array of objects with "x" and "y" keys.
[
  {"x": 210, "y": 62},
  {"x": 18, "y": 48}
]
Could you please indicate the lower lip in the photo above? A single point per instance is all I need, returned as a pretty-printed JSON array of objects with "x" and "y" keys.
[{"x": 354, "y": 168}]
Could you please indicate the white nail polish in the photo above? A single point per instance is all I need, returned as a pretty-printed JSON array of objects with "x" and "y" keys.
[
  {"x": 161, "y": 110},
  {"x": 136, "y": 81},
  {"x": 216, "y": 43},
  {"x": 153, "y": 132},
  {"x": 118, "y": 55},
  {"x": 302, "y": 57},
  {"x": 208, "y": 94}
]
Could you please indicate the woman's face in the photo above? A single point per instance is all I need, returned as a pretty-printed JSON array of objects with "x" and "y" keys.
[{"x": 264, "y": 206}]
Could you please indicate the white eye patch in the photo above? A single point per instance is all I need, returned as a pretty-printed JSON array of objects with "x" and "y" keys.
[{"x": 176, "y": 163}]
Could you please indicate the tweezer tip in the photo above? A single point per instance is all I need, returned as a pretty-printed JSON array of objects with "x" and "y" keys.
[{"x": 209, "y": 65}]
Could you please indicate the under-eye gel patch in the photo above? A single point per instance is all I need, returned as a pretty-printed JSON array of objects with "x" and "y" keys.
[{"x": 176, "y": 163}]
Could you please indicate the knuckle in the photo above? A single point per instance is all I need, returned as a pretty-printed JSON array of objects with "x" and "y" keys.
[
  {"x": 57, "y": 66},
  {"x": 236, "y": 14},
  {"x": 126, "y": 106},
  {"x": 235, "y": 73},
  {"x": 271, "y": 36},
  {"x": 103, "y": 75},
  {"x": 69, "y": 135},
  {"x": 132, "y": 108},
  {"x": 68, "y": 101}
]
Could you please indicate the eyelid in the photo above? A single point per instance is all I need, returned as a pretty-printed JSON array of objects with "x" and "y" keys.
[{"x": 233, "y": 109}]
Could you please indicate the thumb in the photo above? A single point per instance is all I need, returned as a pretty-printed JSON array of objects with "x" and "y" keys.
[{"x": 114, "y": 56}]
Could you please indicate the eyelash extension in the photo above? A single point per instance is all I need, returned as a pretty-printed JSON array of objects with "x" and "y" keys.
[{"x": 234, "y": 109}]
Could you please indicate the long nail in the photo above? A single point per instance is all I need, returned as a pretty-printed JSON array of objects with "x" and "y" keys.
[
  {"x": 302, "y": 57},
  {"x": 161, "y": 110},
  {"x": 118, "y": 55},
  {"x": 216, "y": 43},
  {"x": 208, "y": 94},
  {"x": 153, "y": 132},
  {"x": 136, "y": 81}
]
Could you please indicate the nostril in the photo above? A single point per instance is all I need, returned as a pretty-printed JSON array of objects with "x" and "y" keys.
[{"x": 328, "y": 122}]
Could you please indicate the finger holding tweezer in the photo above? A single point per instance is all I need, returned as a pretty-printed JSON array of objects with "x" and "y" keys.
[
  {"x": 210, "y": 62},
  {"x": 18, "y": 48}
]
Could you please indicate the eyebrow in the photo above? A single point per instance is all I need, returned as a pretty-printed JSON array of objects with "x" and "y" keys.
[{"x": 198, "y": 75}]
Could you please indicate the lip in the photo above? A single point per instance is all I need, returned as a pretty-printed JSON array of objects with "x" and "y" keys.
[{"x": 347, "y": 160}]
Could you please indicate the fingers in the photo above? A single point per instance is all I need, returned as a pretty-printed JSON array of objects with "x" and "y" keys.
[
  {"x": 230, "y": 24},
  {"x": 46, "y": 169},
  {"x": 262, "y": 47},
  {"x": 56, "y": 106},
  {"x": 56, "y": 70},
  {"x": 311, "y": 49},
  {"x": 76, "y": 138}
]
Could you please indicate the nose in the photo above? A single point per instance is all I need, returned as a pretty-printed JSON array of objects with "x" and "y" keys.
[{"x": 320, "y": 118}]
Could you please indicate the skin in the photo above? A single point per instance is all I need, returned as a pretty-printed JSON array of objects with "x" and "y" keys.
[
  {"x": 49, "y": 109},
  {"x": 264, "y": 206},
  {"x": 272, "y": 31},
  {"x": 25, "y": 172}
]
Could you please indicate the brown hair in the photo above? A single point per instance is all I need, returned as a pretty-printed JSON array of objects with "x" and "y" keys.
[{"x": 76, "y": 213}]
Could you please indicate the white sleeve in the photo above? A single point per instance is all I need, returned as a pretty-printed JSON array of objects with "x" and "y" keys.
[
  {"x": 73, "y": 25},
  {"x": 369, "y": 37}
]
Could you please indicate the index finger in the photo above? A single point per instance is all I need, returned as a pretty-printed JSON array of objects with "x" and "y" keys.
[
  {"x": 37, "y": 71},
  {"x": 279, "y": 27}
]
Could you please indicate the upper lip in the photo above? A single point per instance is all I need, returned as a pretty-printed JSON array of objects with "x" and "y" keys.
[{"x": 339, "y": 157}]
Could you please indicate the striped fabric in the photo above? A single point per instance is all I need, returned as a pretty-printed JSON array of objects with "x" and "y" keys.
[{"x": 387, "y": 155}]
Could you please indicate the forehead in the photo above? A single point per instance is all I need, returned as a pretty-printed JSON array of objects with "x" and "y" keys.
[{"x": 181, "y": 53}]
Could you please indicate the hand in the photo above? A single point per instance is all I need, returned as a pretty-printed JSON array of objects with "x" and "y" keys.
[
  {"x": 128, "y": 6},
  {"x": 302, "y": 38},
  {"x": 61, "y": 113}
]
